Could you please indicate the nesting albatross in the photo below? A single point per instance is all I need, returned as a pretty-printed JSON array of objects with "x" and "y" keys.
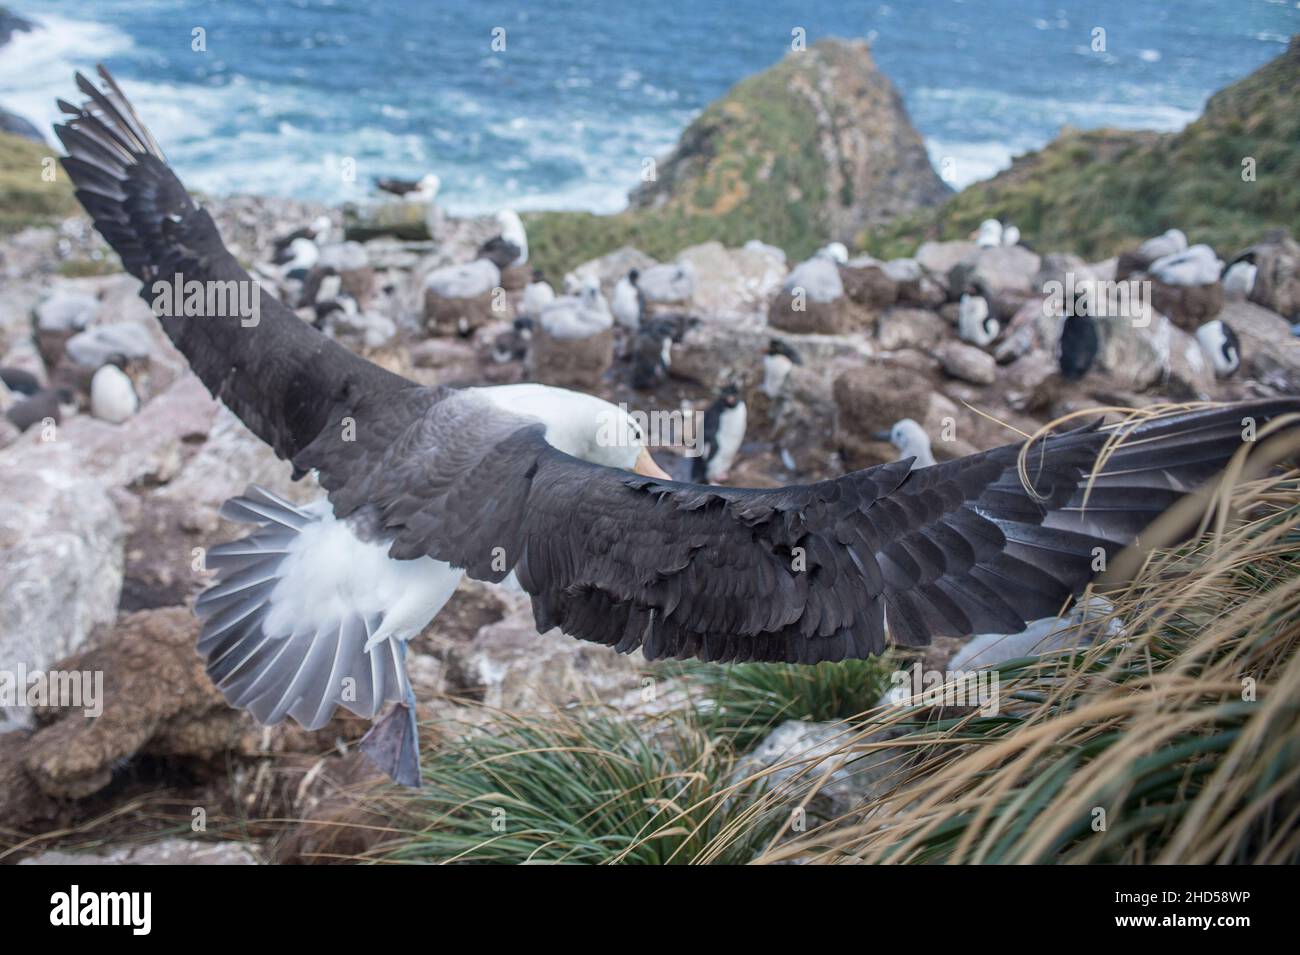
[{"x": 425, "y": 484}]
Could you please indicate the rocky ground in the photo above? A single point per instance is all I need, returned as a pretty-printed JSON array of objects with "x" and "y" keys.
[{"x": 104, "y": 524}]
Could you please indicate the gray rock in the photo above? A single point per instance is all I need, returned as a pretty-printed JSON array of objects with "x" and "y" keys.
[
  {"x": 463, "y": 281},
  {"x": 729, "y": 281},
  {"x": 60, "y": 559},
  {"x": 66, "y": 311},
  {"x": 938, "y": 258},
  {"x": 669, "y": 283},
  {"x": 910, "y": 328},
  {"x": 818, "y": 277},
  {"x": 510, "y": 665},
  {"x": 1279, "y": 367},
  {"x": 93, "y": 347},
  {"x": 1135, "y": 351},
  {"x": 1277, "y": 281},
  {"x": 967, "y": 363},
  {"x": 163, "y": 852},
  {"x": 999, "y": 270},
  {"x": 799, "y": 756},
  {"x": 1039, "y": 637}
]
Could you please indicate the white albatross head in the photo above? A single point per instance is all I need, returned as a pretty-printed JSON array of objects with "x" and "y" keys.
[
  {"x": 582, "y": 425},
  {"x": 911, "y": 440}
]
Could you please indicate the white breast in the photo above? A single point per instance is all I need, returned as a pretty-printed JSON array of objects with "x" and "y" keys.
[
  {"x": 731, "y": 433},
  {"x": 112, "y": 397},
  {"x": 776, "y": 368}
]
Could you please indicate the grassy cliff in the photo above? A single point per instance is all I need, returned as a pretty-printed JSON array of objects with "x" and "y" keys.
[
  {"x": 26, "y": 199},
  {"x": 1098, "y": 192},
  {"x": 795, "y": 155}
]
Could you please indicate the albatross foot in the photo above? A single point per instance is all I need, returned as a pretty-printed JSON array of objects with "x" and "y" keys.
[{"x": 392, "y": 745}]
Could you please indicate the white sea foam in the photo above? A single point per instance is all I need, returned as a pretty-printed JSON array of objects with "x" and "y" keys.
[{"x": 36, "y": 65}]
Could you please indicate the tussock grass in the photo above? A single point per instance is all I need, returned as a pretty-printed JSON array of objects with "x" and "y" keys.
[
  {"x": 1175, "y": 742},
  {"x": 745, "y": 701},
  {"x": 578, "y": 786}
]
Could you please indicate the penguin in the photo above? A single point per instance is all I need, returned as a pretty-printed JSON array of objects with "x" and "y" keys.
[
  {"x": 777, "y": 363},
  {"x": 112, "y": 395},
  {"x": 628, "y": 303},
  {"x": 55, "y": 403},
  {"x": 974, "y": 323},
  {"x": 724, "y": 432},
  {"x": 1221, "y": 345},
  {"x": 1239, "y": 277},
  {"x": 1078, "y": 346},
  {"x": 651, "y": 354},
  {"x": 513, "y": 345},
  {"x": 537, "y": 295},
  {"x": 20, "y": 382}
]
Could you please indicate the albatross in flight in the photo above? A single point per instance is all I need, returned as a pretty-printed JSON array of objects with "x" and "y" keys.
[{"x": 313, "y": 610}]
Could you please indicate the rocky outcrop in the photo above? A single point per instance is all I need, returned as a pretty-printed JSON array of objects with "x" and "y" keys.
[
  {"x": 812, "y": 766},
  {"x": 163, "y": 852},
  {"x": 60, "y": 562},
  {"x": 157, "y": 701},
  {"x": 823, "y": 131},
  {"x": 11, "y": 23}
]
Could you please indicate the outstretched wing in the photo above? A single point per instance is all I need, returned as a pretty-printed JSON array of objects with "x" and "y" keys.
[
  {"x": 798, "y": 574},
  {"x": 284, "y": 379},
  {"x": 812, "y": 573}
]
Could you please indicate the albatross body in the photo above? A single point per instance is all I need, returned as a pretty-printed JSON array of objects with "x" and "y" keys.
[{"x": 425, "y": 484}]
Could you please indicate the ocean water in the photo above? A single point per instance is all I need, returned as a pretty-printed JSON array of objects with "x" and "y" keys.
[{"x": 290, "y": 93}]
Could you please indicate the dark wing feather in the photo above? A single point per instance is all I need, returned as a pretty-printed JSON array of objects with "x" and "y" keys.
[
  {"x": 798, "y": 574},
  {"x": 285, "y": 380}
]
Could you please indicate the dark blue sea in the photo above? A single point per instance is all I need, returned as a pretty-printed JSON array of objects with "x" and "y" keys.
[{"x": 288, "y": 90}]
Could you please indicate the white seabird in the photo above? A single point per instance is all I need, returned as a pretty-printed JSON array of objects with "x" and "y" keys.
[
  {"x": 1197, "y": 265},
  {"x": 112, "y": 395},
  {"x": 628, "y": 304},
  {"x": 537, "y": 295},
  {"x": 974, "y": 324},
  {"x": 1221, "y": 346},
  {"x": 911, "y": 441},
  {"x": 577, "y": 316},
  {"x": 837, "y": 252},
  {"x": 313, "y": 610},
  {"x": 1168, "y": 243},
  {"x": 1239, "y": 278},
  {"x": 989, "y": 235}
]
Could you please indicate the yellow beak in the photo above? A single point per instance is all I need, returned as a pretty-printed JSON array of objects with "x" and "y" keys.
[{"x": 645, "y": 464}]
